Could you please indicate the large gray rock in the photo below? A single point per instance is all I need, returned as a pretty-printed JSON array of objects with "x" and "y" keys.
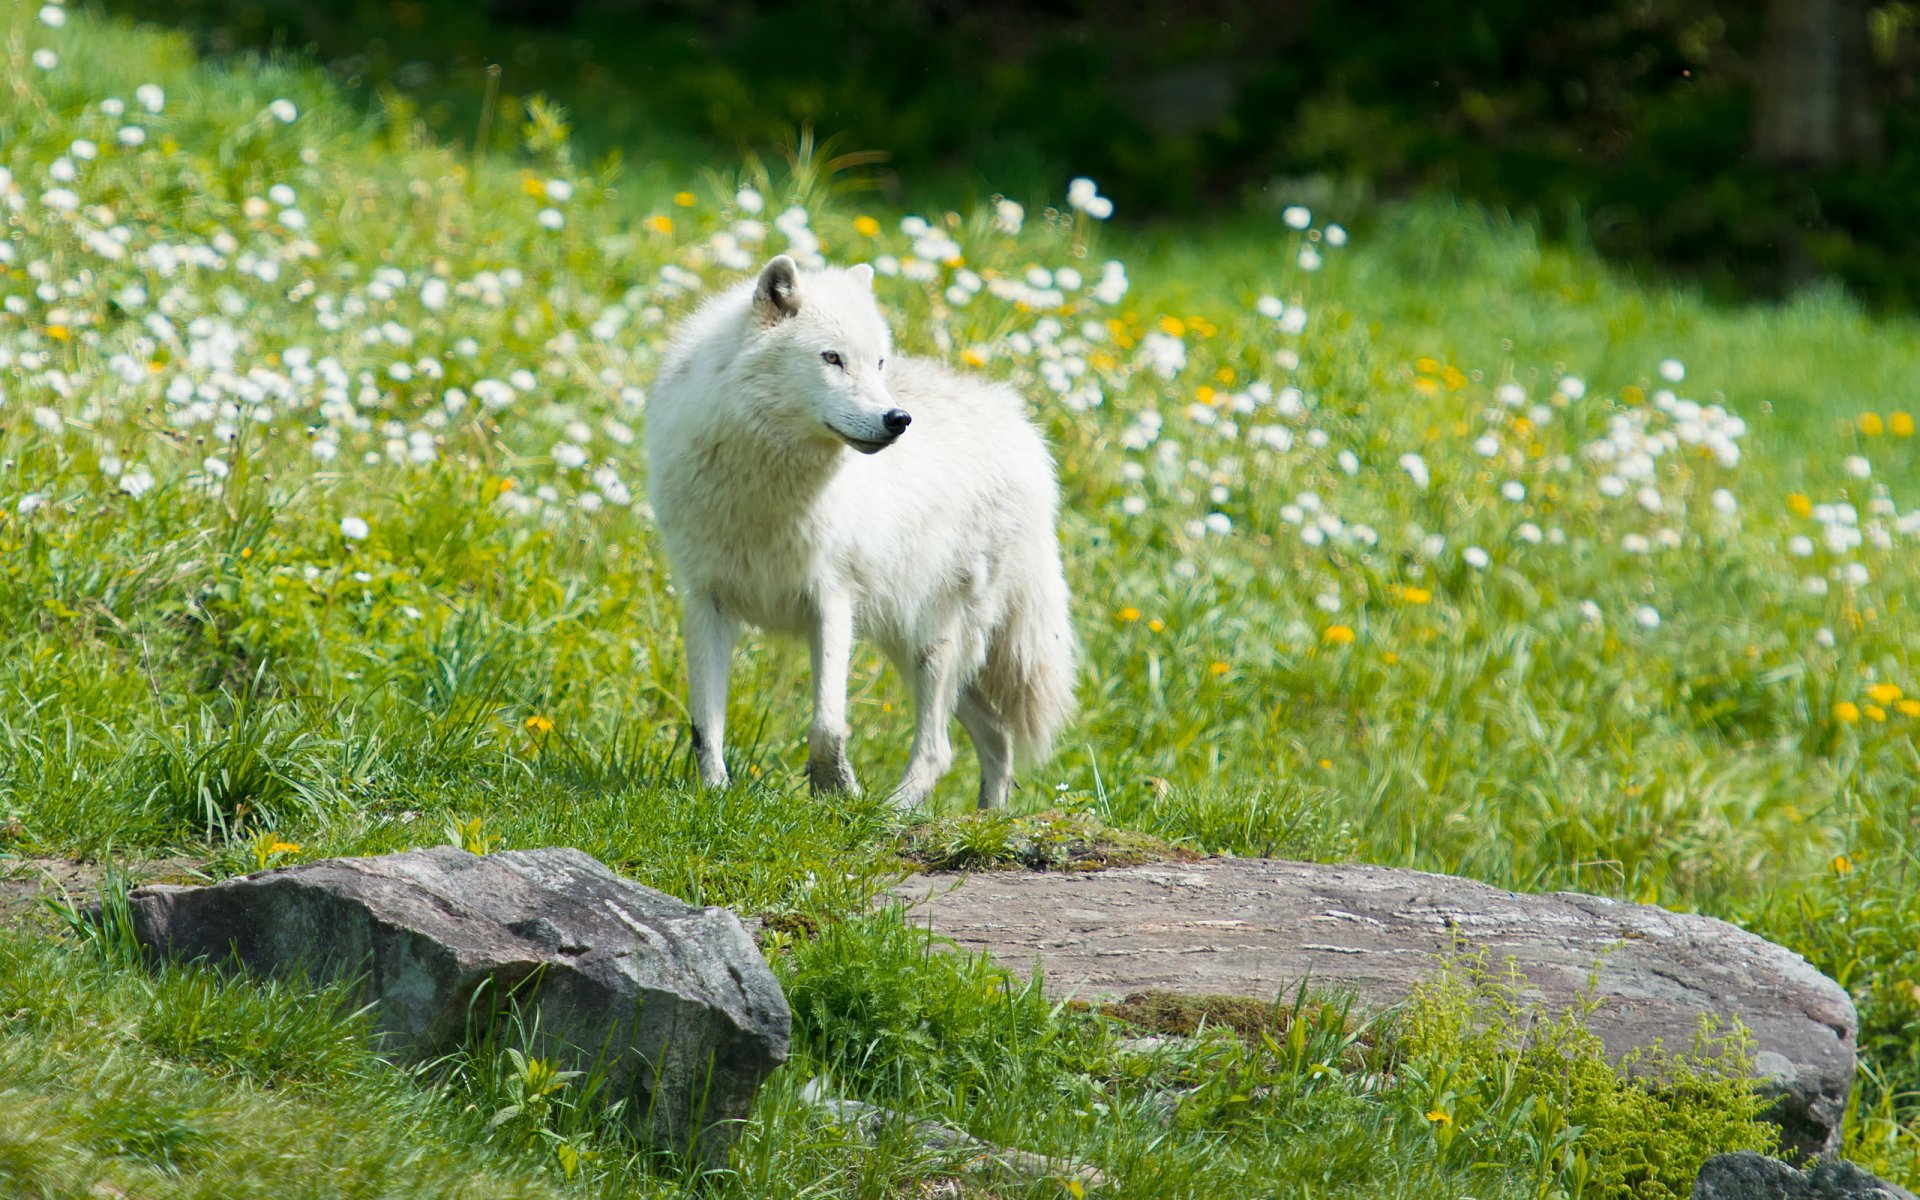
[
  {"x": 1750, "y": 1176},
  {"x": 673, "y": 1003},
  {"x": 1257, "y": 927}
]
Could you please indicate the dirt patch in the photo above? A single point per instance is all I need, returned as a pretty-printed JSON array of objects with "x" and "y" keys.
[
  {"x": 1177, "y": 1015},
  {"x": 1048, "y": 841},
  {"x": 27, "y": 884}
]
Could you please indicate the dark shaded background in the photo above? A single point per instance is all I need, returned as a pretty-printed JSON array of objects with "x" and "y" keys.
[{"x": 1754, "y": 147}]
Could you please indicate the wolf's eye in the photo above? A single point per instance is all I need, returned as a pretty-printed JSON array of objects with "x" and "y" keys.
[{"x": 832, "y": 358}]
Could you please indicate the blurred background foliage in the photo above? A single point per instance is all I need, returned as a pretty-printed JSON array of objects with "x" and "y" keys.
[{"x": 1755, "y": 147}]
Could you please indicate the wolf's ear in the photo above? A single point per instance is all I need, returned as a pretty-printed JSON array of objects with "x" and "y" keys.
[
  {"x": 777, "y": 296},
  {"x": 862, "y": 274}
]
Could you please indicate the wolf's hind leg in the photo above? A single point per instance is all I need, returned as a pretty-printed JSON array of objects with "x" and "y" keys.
[
  {"x": 992, "y": 744},
  {"x": 831, "y": 641},
  {"x": 933, "y": 701},
  {"x": 709, "y": 632}
]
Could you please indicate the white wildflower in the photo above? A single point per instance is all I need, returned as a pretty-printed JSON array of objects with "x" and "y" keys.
[{"x": 1416, "y": 468}]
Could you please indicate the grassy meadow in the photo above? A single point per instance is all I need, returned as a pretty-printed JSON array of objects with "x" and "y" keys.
[{"x": 323, "y": 531}]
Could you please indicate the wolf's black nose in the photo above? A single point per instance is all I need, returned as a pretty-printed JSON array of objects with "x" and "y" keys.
[{"x": 896, "y": 420}]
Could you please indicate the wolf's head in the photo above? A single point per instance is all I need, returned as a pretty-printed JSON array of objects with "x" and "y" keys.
[{"x": 821, "y": 343}]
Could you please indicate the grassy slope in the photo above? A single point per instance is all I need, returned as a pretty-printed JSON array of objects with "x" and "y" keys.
[{"x": 213, "y": 666}]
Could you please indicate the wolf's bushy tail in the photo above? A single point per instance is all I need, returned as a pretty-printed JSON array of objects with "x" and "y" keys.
[{"x": 1031, "y": 658}]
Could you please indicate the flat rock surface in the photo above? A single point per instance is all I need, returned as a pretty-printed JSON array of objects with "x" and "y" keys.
[{"x": 1257, "y": 927}]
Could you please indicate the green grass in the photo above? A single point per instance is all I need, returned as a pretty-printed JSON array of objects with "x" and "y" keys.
[{"x": 210, "y": 663}]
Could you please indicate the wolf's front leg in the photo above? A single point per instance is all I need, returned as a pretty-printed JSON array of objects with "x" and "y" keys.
[
  {"x": 831, "y": 641},
  {"x": 709, "y": 631}
]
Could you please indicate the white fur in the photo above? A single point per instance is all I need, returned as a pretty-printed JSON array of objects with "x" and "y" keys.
[{"x": 940, "y": 547}]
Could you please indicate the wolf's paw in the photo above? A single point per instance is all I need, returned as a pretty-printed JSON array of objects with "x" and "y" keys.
[{"x": 828, "y": 775}]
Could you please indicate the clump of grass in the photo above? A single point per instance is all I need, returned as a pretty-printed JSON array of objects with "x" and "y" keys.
[
  {"x": 1046, "y": 841},
  {"x": 1499, "y": 1082}
]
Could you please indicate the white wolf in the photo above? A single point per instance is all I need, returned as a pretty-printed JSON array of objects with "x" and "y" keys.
[{"x": 792, "y": 494}]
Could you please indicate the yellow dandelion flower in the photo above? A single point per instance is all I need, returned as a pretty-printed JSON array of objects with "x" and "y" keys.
[
  {"x": 1874, "y": 712},
  {"x": 1900, "y": 424},
  {"x": 1100, "y": 360},
  {"x": 1522, "y": 427},
  {"x": 1390, "y": 658},
  {"x": 1427, "y": 366},
  {"x": 1338, "y": 635},
  {"x": 280, "y": 847},
  {"x": 1173, "y": 327},
  {"x": 1128, "y": 614},
  {"x": 658, "y": 223},
  {"x": 533, "y": 187},
  {"x": 1908, "y": 708},
  {"x": 1439, "y": 1116},
  {"x": 1871, "y": 424},
  {"x": 1453, "y": 378},
  {"x": 1884, "y": 693},
  {"x": 1846, "y": 712},
  {"x": 1225, "y": 375},
  {"x": 1416, "y": 595},
  {"x": 1216, "y": 667},
  {"x": 1842, "y": 865},
  {"x": 1157, "y": 625},
  {"x": 1202, "y": 326},
  {"x": 972, "y": 357},
  {"x": 1426, "y": 387},
  {"x": 1632, "y": 395},
  {"x": 1205, "y": 394},
  {"x": 684, "y": 199},
  {"x": 1326, "y": 764},
  {"x": 1800, "y": 504},
  {"x": 59, "y": 333},
  {"x": 866, "y": 226},
  {"x": 538, "y": 724}
]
